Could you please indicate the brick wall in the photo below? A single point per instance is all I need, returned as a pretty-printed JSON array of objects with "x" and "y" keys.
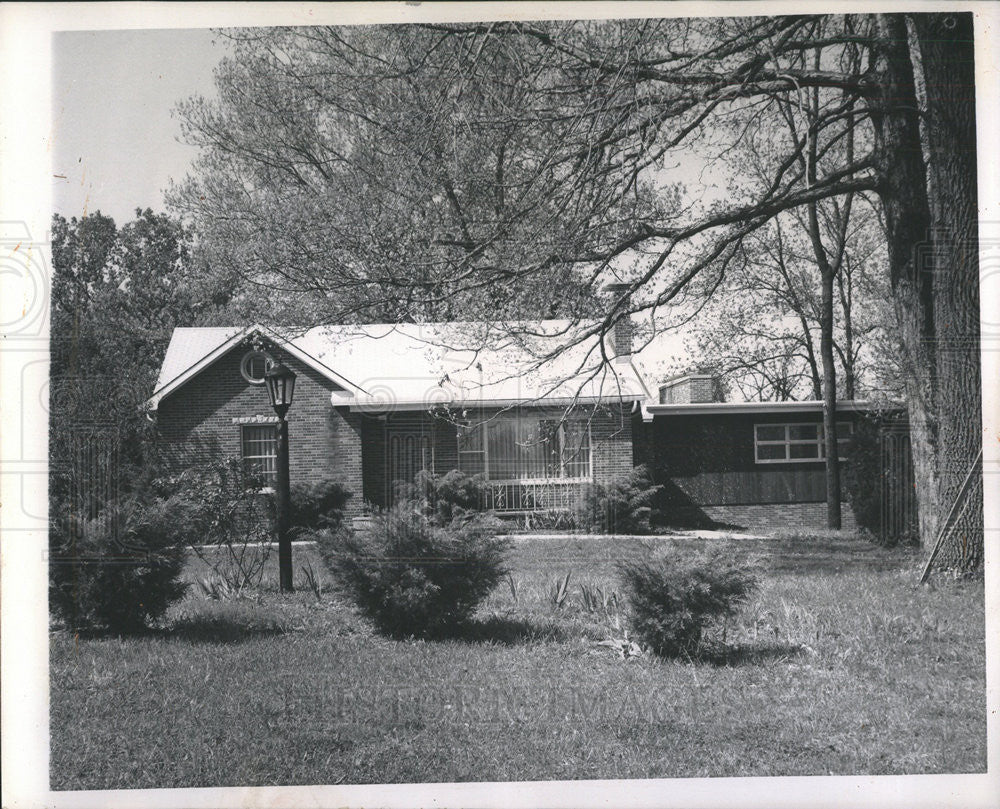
[
  {"x": 777, "y": 515},
  {"x": 195, "y": 424},
  {"x": 611, "y": 441}
]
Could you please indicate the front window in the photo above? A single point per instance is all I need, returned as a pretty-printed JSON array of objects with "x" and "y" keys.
[
  {"x": 526, "y": 448},
  {"x": 794, "y": 443},
  {"x": 260, "y": 449}
]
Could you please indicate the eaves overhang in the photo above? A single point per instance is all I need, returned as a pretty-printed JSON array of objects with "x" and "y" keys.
[
  {"x": 756, "y": 408},
  {"x": 389, "y": 406}
]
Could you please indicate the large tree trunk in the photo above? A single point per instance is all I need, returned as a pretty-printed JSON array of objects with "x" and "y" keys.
[
  {"x": 827, "y": 273},
  {"x": 933, "y": 248},
  {"x": 893, "y": 103},
  {"x": 947, "y": 59},
  {"x": 846, "y": 289}
]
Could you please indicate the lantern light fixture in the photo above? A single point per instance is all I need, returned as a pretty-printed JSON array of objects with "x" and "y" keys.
[{"x": 280, "y": 382}]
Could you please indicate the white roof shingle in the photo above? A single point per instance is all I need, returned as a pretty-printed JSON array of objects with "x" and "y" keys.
[{"x": 415, "y": 366}]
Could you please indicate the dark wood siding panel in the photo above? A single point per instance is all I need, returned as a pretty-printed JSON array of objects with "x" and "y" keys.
[
  {"x": 709, "y": 460},
  {"x": 766, "y": 486}
]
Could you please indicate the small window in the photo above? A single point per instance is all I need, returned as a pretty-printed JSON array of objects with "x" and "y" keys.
[
  {"x": 255, "y": 364},
  {"x": 770, "y": 432},
  {"x": 260, "y": 449},
  {"x": 794, "y": 443},
  {"x": 803, "y": 452},
  {"x": 803, "y": 432}
]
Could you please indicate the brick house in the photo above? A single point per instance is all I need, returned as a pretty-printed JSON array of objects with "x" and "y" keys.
[{"x": 375, "y": 404}]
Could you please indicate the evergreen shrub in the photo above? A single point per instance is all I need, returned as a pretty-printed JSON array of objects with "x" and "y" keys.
[
  {"x": 673, "y": 603},
  {"x": 620, "y": 505},
  {"x": 120, "y": 570},
  {"x": 414, "y": 577}
]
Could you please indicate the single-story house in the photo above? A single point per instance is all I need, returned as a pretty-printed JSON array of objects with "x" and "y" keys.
[{"x": 375, "y": 404}]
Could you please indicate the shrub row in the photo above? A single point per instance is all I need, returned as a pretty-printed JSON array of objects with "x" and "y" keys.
[
  {"x": 620, "y": 505},
  {"x": 422, "y": 569}
]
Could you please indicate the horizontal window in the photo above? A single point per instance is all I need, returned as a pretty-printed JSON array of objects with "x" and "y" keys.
[
  {"x": 794, "y": 443},
  {"x": 526, "y": 448}
]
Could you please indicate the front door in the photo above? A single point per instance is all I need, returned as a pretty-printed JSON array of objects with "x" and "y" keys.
[{"x": 409, "y": 453}]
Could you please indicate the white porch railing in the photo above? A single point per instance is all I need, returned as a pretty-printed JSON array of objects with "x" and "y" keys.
[{"x": 522, "y": 496}]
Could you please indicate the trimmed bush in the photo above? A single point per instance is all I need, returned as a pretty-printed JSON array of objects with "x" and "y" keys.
[
  {"x": 119, "y": 571},
  {"x": 413, "y": 577},
  {"x": 443, "y": 498},
  {"x": 317, "y": 506},
  {"x": 618, "y": 506},
  {"x": 673, "y": 602}
]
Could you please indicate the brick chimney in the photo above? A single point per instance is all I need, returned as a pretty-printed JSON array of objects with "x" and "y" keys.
[
  {"x": 623, "y": 330},
  {"x": 693, "y": 388}
]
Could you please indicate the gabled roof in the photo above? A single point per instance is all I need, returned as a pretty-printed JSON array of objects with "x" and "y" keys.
[
  {"x": 192, "y": 350},
  {"x": 416, "y": 366}
]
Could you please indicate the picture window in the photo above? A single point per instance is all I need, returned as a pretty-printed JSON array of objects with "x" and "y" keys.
[{"x": 526, "y": 448}]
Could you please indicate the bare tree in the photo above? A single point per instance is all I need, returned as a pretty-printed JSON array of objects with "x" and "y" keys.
[
  {"x": 760, "y": 330},
  {"x": 483, "y": 169}
]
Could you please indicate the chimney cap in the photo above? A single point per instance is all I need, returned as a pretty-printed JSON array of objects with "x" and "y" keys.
[
  {"x": 617, "y": 287},
  {"x": 692, "y": 374}
]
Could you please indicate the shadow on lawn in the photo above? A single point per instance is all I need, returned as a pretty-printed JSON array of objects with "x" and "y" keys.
[
  {"x": 196, "y": 630},
  {"x": 807, "y": 555},
  {"x": 506, "y": 631},
  {"x": 751, "y": 654},
  {"x": 215, "y": 629}
]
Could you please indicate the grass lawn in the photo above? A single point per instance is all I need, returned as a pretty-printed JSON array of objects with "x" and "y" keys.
[{"x": 841, "y": 666}]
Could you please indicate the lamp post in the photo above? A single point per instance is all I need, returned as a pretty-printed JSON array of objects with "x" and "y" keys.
[{"x": 280, "y": 383}]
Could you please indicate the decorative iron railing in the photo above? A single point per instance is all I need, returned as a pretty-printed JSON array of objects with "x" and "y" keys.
[{"x": 521, "y": 496}]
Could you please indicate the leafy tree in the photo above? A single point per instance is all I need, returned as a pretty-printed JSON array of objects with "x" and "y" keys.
[
  {"x": 478, "y": 168},
  {"x": 790, "y": 316},
  {"x": 366, "y": 173},
  {"x": 117, "y": 293}
]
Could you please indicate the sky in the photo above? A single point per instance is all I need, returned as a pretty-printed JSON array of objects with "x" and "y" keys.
[{"x": 115, "y": 145}]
